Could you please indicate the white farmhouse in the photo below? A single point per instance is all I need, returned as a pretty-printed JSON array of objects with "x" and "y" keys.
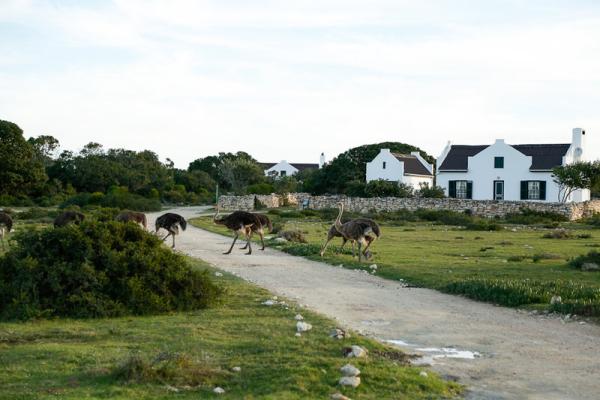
[
  {"x": 284, "y": 168},
  {"x": 410, "y": 169},
  {"x": 508, "y": 172}
]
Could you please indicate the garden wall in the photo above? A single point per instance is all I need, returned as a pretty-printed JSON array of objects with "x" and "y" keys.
[{"x": 485, "y": 208}]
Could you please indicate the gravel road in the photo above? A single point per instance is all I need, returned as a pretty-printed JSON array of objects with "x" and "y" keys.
[{"x": 499, "y": 353}]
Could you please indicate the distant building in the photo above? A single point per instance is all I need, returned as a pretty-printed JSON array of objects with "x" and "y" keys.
[
  {"x": 410, "y": 169},
  {"x": 284, "y": 168},
  {"x": 508, "y": 172}
]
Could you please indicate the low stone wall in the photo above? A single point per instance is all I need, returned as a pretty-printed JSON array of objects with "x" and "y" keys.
[{"x": 485, "y": 208}]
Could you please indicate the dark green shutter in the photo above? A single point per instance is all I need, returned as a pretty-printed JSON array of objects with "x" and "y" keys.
[
  {"x": 452, "y": 189},
  {"x": 469, "y": 190},
  {"x": 542, "y": 190},
  {"x": 524, "y": 190}
]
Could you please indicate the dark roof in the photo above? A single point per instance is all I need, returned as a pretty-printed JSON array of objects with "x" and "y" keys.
[
  {"x": 412, "y": 165},
  {"x": 303, "y": 166},
  {"x": 298, "y": 166},
  {"x": 544, "y": 156},
  {"x": 457, "y": 158}
]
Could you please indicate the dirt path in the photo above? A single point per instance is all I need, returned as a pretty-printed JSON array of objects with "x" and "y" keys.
[{"x": 516, "y": 355}]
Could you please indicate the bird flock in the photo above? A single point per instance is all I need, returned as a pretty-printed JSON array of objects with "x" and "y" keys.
[{"x": 361, "y": 232}]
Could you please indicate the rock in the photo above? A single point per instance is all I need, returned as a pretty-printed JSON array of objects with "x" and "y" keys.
[
  {"x": 355, "y": 351},
  {"x": 338, "y": 334},
  {"x": 218, "y": 274},
  {"x": 269, "y": 303},
  {"x": 303, "y": 326},
  {"x": 171, "y": 388},
  {"x": 280, "y": 240},
  {"x": 423, "y": 374},
  {"x": 299, "y": 317},
  {"x": 373, "y": 266},
  {"x": 298, "y": 334},
  {"x": 219, "y": 390},
  {"x": 236, "y": 369},
  {"x": 556, "y": 300},
  {"x": 338, "y": 396},
  {"x": 349, "y": 370},
  {"x": 352, "y": 381},
  {"x": 590, "y": 267}
]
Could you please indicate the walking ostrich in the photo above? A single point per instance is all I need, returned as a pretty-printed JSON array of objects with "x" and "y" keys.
[
  {"x": 357, "y": 230},
  {"x": 132, "y": 216},
  {"x": 260, "y": 229},
  {"x": 171, "y": 223},
  {"x": 6, "y": 224},
  {"x": 333, "y": 233},
  {"x": 67, "y": 217},
  {"x": 240, "y": 222}
]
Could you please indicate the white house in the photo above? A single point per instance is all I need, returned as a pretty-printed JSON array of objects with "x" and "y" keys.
[
  {"x": 508, "y": 172},
  {"x": 284, "y": 168},
  {"x": 411, "y": 169}
]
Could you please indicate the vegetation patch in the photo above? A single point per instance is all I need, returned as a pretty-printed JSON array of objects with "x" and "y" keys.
[
  {"x": 593, "y": 257},
  {"x": 97, "y": 270},
  {"x": 558, "y": 234}
]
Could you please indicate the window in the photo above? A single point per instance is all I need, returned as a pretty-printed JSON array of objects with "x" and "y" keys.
[
  {"x": 533, "y": 190},
  {"x": 283, "y": 173},
  {"x": 460, "y": 189},
  {"x": 498, "y": 162},
  {"x": 384, "y": 165}
]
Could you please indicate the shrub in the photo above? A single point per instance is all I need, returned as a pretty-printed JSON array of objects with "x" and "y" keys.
[
  {"x": 293, "y": 236},
  {"x": 432, "y": 192},
  {"x": 260, "y": 188},
  {"x": 527, "y": 216},
  {"x": 97, "y": 270},
  {"x": 593, "y": 257},
  {"x": 116, "y": 199},
  {"x": 445, "y": 217},
  {"x": 36, "y": 213},
  {"x": 557, "y": 234},
  {"x": 383, "y": 188},
  {"x": 516, "y": 258},
  {"x": 483, "y": 225},
  {"x": 545, "y": 256},
  {"x": 584, "y": 236},
  {"x": 594, "y": 220}
]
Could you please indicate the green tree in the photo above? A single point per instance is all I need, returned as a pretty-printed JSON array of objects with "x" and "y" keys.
[
  {"x": 383, "y": 188},
  {"x": 436, "y": 192},
  {"x": 237, "y": 174},
  {"x": 45, "y": 147},
  {"x": 576, "y": 176},
  {"x": 21, "y": 171}
]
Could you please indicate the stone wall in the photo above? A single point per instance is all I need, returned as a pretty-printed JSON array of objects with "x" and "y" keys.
[{"x": 485, "y": 208}]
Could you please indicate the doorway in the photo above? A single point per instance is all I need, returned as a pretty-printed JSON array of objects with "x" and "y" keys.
[{"x": 498, "y": 190}]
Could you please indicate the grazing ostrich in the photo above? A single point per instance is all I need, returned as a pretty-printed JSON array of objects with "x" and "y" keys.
[
  {"x": 260, "y": 229},
  {"x": 67, "y": 217},
  {"x": 333, "y": 233},
  {"x": 356, "y": 230},
  {"x": 240, "y": 222},
  {"x": 171, "y": 223},
  {"x": 6, "y": 224},
  {"x": 132, "y": 216}
]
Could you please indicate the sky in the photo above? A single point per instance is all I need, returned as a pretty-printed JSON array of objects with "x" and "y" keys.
[{"x": 287, "y": 80}]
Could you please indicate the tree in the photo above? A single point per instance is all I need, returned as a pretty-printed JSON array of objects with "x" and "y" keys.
[
  {"x": 434, "y": 192},
  {"x": 45, "y": 147},
  {"x": 237, "y": 174},
  {"x": 21, "y": 171},
  {"x": 576, "y": 176}
]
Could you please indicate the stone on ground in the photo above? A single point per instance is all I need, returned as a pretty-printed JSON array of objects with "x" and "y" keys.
[
  {"x": 303, "y": 326},
  {"x": 349, "y": 370},
  {"x": 352, "y": 381}
]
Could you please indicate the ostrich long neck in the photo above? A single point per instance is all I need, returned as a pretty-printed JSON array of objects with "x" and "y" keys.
[
  {"x": 215, "y": 220},
  {"x": 338, "y": 221}
]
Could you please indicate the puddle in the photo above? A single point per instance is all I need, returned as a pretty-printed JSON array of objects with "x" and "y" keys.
[{"x": 435, "y": 353}]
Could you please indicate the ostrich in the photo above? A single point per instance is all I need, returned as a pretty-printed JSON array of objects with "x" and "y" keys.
[
  {"x": 133, "y": 216},
  {"x": 67, "y": 217},
  {"x": 171, "y": 223},
  {"x": 6, "y": 224},
  {"x": 333, "y": 233},
  {"x": 356, "y": 230},
  {"x": 264, "y": 222},
  {"x": 240, "y": 222}
]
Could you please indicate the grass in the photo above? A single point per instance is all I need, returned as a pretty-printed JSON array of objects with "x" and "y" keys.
[
  {"x": 517, "y": 259},
  {"x": 185, "y": 355}
]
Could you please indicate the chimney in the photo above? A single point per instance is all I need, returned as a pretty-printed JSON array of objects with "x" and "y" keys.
[
  {"x": 578, "y": 144},
  {"x": 322, "y": 160}
]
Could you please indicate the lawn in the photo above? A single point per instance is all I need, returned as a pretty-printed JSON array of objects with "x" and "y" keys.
[
  {"x": 185, "y": 355},
  {"x": 514, "y": 266}
]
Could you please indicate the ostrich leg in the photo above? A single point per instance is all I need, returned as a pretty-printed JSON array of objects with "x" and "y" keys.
[
  {"x": 359, "y": 246},
  {"x": 173, "y": 236},
  {"x": 232, "y": 244},
  {"x": 341, "y": 249},
  {"x": 249, "y": 247}
]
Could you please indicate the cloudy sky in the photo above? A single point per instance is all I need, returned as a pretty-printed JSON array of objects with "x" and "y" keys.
[{"x": 290, "y": 79}]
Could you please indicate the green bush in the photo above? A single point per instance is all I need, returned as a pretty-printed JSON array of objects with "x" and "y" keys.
[
  {"x": 444, "y": 217},
  {"x": 97, "y": 270},
  {"x": 36, "y": 213},
  {"x": 594, "y": 220},
  {"x": 558, "y": 234},
  {"x": 383, "y": 188},
  {"x": 432, "y": 192},
  {"x": 115, "y": 199},
  {"x": 593, "y": 257},
  {"x": 527, "y": 216},
  {"x": 483, "y": 225}
]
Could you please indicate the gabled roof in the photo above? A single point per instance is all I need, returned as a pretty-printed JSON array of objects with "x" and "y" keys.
[
  {"x": 412, "y": 165},
  {"x": 457, "y": 158},
  {"x": 544, "y": 156},
  {"x": 267, "y": 165}
]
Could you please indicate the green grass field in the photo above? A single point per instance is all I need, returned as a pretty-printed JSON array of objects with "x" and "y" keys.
[
  {"x": 185, "y": 355},
  {"x": 514, "y": 266}
]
